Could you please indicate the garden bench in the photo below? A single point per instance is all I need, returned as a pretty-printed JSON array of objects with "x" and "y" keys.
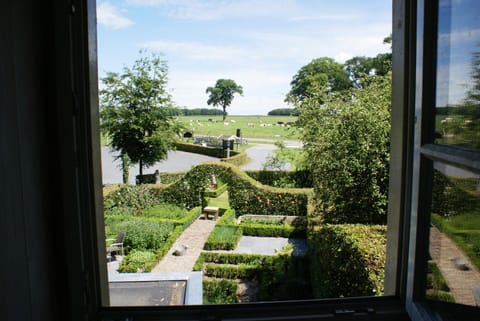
[{"x": 210, "y": 210}]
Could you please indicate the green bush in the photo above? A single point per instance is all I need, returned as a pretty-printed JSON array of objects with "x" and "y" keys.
[
  {"x": 347, "y": 144},
  {"x": 138, "y": 261},
  {"x": 130, "y": 200},
  {"x": 219, "y": 291},
  {"x": 223, "y": 237},
  {"x": 299, "y": 179},
  {"x": 166, "y": 211},
  {"x": 347, "y": 260},
  {"x": 278, "y": 277},
  {"x": 145, "y": 234},
  {"x": 269, "y": 230}
]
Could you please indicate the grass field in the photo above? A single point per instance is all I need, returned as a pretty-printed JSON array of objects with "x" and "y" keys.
[{"x": 268, "y": 127}]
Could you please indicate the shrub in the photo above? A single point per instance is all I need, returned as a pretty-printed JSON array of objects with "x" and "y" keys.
[
  {"x": 166, "y": 211},
  {"x": 278, "y": 277},
  {"x": 145, "y": 234},
  {"x": 138, "y": 261},
  {"x": 347, "y": 260},
  {"x": 347, "y": 143},
  {"x": 219, "y": 291},
  {"x": 131, "y": 200}
]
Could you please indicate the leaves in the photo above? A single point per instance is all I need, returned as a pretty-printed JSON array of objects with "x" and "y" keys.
[
  {"x": 346, "y": 139},
  {"x": 132, "y": 112},
  {"x": 222, "y": 94}
]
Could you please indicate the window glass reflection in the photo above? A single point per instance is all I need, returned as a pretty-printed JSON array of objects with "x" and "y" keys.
[
  {"x": 454, "y": 262},
  {"x": 458, "y": 73}
]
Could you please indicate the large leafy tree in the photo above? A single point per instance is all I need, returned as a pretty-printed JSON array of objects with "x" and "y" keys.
[
  {"x": 320, "y": 74},
  {"x": 222, "y": 94},
  {"x": 358, "y": 67},
  {"x": 346, "y": 139},
  {"x": 132, "y": 111}
]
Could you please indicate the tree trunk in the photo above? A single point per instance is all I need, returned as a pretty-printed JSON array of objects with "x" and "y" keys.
[
  {"x": 224, "y": 113},
  {"x": 125, "y": 168},
  {"x": 140, "y": 168}
]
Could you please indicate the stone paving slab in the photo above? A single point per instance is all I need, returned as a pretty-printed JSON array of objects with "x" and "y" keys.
[{"x": 268, "y": 245}]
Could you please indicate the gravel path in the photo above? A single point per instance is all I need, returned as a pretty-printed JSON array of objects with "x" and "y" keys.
[
  {"x": 194, "y": 238},
  {"x": 462, "y": 283}
]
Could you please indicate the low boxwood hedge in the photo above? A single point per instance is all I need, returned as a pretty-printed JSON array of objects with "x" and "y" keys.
[
  {"x": 277, "y": 276},
  {"x": 223, "y": 237},
  {"x": 347, "y": 260},
  {"x": 219, "y": 291}
]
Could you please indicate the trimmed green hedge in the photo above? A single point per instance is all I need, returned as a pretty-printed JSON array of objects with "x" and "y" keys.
[
  {"x": 223, "y": 237},
  {"x": 165, "y": 178},
  {"x": 219, "y": 291},
  {"x": 246, "y": 195},
  {"x": 278, "y": 277},
  {"x": 274, "y": 230},
  {"x": 299, "y": 179},
  {"x": 347, "y": 260}
]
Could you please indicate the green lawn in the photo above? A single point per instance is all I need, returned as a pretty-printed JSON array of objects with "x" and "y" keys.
[{"x": 251, "y": 126}]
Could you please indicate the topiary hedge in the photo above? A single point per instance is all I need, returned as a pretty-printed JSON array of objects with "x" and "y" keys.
[
  {"x": 347, "y": 260},
  {"x": 219, "y": 291},
  {"x": 246, "y": 195}
]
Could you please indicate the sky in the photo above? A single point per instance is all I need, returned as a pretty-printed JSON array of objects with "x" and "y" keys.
[{"x": 260, "y": 44}]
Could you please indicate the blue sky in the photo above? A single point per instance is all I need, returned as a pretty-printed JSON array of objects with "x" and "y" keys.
[{"x": 260, "y": 44}]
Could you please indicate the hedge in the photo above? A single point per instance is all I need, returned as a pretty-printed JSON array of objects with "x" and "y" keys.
[
  {"x": 299, "y": 179},
  {"x": 278, "y": 277},
  {"x": 219, "y": 291},
  {"x": 135, "y": 261},
  {"x": 246, "y": 195},
  {"x": 347, "y": 260},
  {"x": 223, "y": 237}
]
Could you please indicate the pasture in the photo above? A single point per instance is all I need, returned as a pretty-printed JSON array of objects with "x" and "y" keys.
[{"x": 268, "y": 127}]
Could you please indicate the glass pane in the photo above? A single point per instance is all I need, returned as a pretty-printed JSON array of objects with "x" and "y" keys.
[
  {"x": 454, "y": 263},
  {"x": 458, "y": 73},
  {"x": 235, "y": 229}
]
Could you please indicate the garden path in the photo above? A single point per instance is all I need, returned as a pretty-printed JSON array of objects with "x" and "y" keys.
[
  {"x": 194, "y": 237},
  {"x": 462, "y": 283}
]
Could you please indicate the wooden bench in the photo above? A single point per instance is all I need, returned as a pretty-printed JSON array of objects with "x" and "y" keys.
[{"x": 210, "y": 210}]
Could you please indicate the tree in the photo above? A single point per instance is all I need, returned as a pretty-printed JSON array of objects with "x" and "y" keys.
[
  {"x": 323, "y": 73},
  {"x": 358, "y": 67},
  {"x": 222, "y": 94},
  {"x": 132, "y": 112},
  {"x": 346, "y": 140}
]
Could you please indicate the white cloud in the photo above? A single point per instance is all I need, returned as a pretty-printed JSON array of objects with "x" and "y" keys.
[
  {"x": 111, "y": 17},
  {"x": 223, "y": 9},
  {"x": 196, "y": 50}
]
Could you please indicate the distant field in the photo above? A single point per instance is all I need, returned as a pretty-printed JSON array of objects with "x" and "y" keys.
[{"x": 251, "y": 126}]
